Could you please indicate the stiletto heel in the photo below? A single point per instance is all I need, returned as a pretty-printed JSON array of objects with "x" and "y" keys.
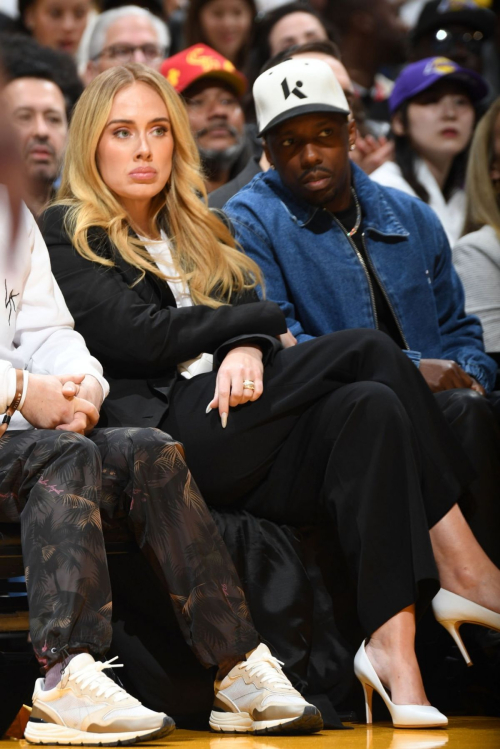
[
  {"x": 403, "y": 716},
  {"x": 452, "y": 610},
  {"x": 453, "y": 629},
  {"x": 368, "y": 692}
]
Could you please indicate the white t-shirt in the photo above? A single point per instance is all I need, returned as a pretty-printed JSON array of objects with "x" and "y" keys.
[{"x": 162, "y": 255}]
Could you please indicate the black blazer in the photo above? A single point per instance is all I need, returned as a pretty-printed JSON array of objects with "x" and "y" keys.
[{"x": 137, "y": 332}]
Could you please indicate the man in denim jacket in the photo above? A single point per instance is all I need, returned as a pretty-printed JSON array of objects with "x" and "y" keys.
[{"x": 340, "y": 251}]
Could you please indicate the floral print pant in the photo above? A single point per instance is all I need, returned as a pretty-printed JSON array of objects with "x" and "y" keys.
[{"x": 62, "y": 487}]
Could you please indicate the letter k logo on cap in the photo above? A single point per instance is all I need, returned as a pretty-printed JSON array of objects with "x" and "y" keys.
[{"x": 296, "y": 91}]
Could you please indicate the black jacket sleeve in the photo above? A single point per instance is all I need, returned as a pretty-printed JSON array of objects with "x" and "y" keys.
[{"x": 127, "y": 327}]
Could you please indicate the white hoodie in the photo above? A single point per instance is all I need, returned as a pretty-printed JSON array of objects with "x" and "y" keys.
[
  {"x": 451, "y": 213},
  {"x": 36, "y": 328}
]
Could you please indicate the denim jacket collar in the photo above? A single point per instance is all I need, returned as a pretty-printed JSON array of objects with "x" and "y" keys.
[{"x": 377, "y": 214}]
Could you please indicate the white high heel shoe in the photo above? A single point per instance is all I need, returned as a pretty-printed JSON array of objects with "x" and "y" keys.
[
  {"x": 403, "y": 716},
  {"x": 452, "y": 610}
]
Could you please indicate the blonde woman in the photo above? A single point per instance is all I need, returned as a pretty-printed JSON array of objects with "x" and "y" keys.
[
  {"x": 477, "y": 254},
  {"x": 340, "y": 430}
]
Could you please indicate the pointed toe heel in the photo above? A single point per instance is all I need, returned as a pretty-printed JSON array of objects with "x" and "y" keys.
[
  {"x": 403, "y": 716},
  {"x": 452, "y": 610}
]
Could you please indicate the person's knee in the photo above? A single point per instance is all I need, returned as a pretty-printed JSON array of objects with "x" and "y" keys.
[
  {"x": 74, "y": 441},
  {"x": 54, "y": 442},
  {"x": 378, "y": 401},
  {"x": 465, "y": 401},
  {"x": 372, "y": 343},
  {"x": 153, "y": 434},
  {"x": 149, "y": 437},
  {"x": 470, "y": 399},
  {"x": 152, "y": 444},
  {"x": 361, "y": 336},
  {"x": 77, "y": 447},
  {"x": 470, "y": 412}
]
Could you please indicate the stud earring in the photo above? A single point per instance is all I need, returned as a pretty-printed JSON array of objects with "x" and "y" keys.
[
  {"x": 352, "y": 147},
  {"x": 272, "y": 166}
]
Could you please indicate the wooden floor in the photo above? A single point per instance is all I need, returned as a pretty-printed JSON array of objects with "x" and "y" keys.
[{"x": 462, "y": 733}]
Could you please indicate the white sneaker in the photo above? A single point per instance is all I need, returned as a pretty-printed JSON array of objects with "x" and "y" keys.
[
  {"x": 256, "y": 697},
  {"x": 89, "y": 709}
]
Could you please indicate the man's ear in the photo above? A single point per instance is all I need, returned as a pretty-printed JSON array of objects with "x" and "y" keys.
[
  {"x": 353, "y": 133},
  {"x": 397, "y": 124},
  {"x": 267, "y": 153}
]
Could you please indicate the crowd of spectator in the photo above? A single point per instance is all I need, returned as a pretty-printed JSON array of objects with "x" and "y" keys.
[{"x": 260, "y": 271}]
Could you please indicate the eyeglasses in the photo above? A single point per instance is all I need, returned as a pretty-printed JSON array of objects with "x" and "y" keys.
[
  {"x": 444, "y": 41},
  {"x": 124, "y": 53}
]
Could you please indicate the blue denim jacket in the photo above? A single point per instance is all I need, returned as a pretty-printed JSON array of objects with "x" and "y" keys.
[{"x": 312, "y": 271}]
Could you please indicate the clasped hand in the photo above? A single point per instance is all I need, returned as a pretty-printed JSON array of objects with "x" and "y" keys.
[{"x": 66, "y": 402}]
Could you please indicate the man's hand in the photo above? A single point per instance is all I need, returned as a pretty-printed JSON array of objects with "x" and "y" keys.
[
  {"x": 443, "y": 374},
  {"x": 288, "y": 339},
  {"x": 370, "y": 152},
  {"x": 86, "y": 387},
  {"x": 240, "y": 364},
  {"x": 47, "y": 407}
]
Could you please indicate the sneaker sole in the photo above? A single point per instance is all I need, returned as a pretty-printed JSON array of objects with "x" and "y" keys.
[
  {"x": 308, "y": 722},
  {"x": 51, "y": 733}
]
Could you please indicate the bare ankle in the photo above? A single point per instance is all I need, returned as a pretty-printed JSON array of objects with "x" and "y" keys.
[
  {"x": 466, "y": 577},
  {"x": 397, "y": 635}
]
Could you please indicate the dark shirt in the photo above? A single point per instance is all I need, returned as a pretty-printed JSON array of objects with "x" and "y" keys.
[
  {"x": 385, "y": 316},
  {"x": 252, "y": 149},
  {"x": 218, "y": 198}
]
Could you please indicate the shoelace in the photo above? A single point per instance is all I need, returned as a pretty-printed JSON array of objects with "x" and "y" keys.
[
  {"x": 268, "y": 670},
  {"x": 92, "y": 677}
]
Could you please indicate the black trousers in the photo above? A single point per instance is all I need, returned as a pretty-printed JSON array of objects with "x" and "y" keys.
[
  {"x": 347, "y": 432},
  {"x": 473, "y": 420},
  {"x": 59, "y": 484}
]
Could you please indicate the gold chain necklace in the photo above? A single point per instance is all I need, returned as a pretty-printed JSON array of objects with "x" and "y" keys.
[{"x": 358, "y": 214}]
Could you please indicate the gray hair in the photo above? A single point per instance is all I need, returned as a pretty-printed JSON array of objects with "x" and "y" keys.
[{"x": 109, "y": 17}]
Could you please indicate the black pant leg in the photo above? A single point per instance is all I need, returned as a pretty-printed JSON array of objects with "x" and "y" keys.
[
  {"x": 146, "y": 480},
  {"x": 229, "y": 463},
  {"x": 50, "y": 481},
  {"x": 494, "y": 399},
  {"x": 473, "y": 421},
  {"x": 360, "y": 475}
]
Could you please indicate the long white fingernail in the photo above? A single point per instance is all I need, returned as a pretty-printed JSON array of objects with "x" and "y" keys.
[
  {"x": 223, "y": 420},
  {"x": 209, "y": 408}
]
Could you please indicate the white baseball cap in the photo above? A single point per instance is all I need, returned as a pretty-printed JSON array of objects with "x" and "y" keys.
[{"x": 296, "y": 87}]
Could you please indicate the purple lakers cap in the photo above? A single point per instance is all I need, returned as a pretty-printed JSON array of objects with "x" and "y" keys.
[{"x": 420, "y": 75}]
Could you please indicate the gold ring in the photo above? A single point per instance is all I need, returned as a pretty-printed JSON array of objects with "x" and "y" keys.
[{"x": 248, "y": 385}]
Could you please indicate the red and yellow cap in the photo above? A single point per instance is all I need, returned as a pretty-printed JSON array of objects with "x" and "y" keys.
[{"x": 201, "y": 61}]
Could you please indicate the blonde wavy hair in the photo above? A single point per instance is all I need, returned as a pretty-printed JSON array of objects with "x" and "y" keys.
[
  {"x": 203, "y": 249},
  {"x": 483, "y": 203}
]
